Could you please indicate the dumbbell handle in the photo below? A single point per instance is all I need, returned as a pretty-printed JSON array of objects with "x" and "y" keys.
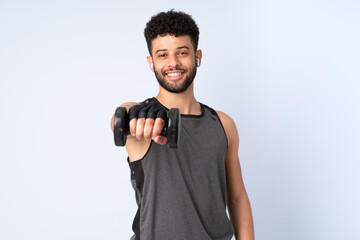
[{"x": 171, "y": 130}]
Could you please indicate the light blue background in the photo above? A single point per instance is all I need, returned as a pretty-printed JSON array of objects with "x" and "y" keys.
[{"x": 287, "y": 72}]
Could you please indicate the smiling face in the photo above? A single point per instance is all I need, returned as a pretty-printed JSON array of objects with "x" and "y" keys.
[{"x": 174, "y": 62}]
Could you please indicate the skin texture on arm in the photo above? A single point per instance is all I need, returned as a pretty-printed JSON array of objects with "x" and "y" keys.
[{"x": 237, "y": 199}]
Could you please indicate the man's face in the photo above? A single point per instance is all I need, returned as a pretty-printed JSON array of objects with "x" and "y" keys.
[{"x": 174, "y": 62}]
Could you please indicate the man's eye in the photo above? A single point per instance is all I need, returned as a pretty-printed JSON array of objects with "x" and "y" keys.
[
  {"x": 183, "y": 53},
  {"x": 162, "y": 55}
]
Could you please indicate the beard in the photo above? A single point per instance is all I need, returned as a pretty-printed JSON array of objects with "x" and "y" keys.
[{"x": 174, "y": 88}]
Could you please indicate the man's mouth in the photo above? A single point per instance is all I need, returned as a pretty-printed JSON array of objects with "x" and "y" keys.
[{"x": 175, "y": 74}]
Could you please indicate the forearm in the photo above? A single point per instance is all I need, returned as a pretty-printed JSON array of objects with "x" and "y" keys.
[{"x": 241, "y": 218}]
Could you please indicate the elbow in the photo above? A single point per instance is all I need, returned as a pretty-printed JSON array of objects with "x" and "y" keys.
[{"x": 237, "y": 199}]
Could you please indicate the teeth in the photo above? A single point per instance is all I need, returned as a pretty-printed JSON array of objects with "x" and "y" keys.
[{"x": 173, "y": 74}]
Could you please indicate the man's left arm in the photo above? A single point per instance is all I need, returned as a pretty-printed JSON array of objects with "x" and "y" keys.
[{"x": 237, "y": 200}]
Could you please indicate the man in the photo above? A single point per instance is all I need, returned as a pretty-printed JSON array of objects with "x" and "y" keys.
[{"x": 182, "y": 192}]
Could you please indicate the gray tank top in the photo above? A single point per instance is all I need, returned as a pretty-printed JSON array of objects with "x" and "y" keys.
[{"x": 181, "y": 192}]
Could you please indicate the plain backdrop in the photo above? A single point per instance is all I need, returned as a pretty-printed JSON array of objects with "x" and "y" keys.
[{"x": 287, "y": 72}]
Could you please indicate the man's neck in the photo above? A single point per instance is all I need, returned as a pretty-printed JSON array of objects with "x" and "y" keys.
[{"x": 185, "y": 101}]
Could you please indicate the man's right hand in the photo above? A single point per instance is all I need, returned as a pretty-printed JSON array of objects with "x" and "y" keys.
[{"x": 147, "y": 121}]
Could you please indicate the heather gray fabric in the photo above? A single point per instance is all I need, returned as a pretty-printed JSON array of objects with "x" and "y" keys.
[{"x": 181, "y": 192}]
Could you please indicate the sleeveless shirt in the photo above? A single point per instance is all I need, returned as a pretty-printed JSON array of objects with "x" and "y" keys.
[{"x": 181, "y": 192}]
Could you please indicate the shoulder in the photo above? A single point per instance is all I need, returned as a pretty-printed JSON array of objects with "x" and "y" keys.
[
  {"x": 229, "y": 127},
  {"x": 227, "y": 122},
  {"x": 224, "y": 117}
]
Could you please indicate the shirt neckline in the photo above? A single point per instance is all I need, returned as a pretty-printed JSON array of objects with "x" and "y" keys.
[{"x": 185, "y": 115}]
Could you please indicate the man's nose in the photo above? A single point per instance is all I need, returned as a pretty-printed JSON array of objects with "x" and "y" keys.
[{"x": 173, "y": 61}]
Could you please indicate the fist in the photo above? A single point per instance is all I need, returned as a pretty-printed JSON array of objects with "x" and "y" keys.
[{"x": 147, "y": 121}]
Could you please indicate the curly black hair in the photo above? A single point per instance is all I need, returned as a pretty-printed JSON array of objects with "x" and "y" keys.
[{"x": 173, "y": 23}]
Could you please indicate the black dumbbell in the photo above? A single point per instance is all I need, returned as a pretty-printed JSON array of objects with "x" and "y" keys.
[{"x": 171, "y": 129}]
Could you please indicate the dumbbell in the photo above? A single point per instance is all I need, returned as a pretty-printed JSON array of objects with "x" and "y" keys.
[{"x": 171, "y": 129}]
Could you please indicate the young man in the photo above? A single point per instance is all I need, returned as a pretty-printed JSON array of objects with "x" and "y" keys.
[{"x": 182, "y": 192}]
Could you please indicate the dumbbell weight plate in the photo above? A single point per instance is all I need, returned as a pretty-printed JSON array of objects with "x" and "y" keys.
[
  {"x": 121, "y": 126},
  {"x": 173, "y": 127}
]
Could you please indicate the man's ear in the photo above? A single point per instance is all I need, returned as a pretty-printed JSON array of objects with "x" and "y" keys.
[
  {"x": 198, "y": 55},
  {"x": 150, "y": 62}
]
